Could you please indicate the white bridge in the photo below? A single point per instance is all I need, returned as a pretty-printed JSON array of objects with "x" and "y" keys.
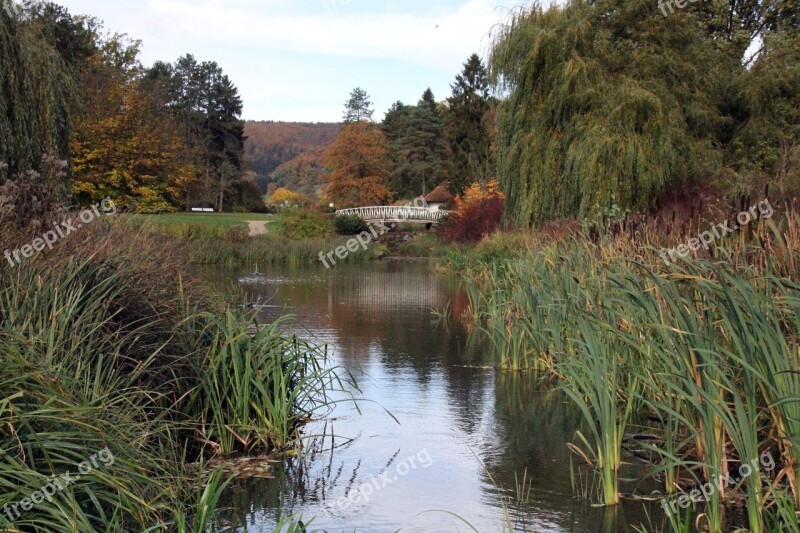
[{"x": 398, "y": 213}]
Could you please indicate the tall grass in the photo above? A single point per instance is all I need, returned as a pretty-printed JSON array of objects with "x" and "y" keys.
[
  {"x": 104, "y": 345},
  {"x": 703, "y": 354},
  {"x": 268, "y": 250}
]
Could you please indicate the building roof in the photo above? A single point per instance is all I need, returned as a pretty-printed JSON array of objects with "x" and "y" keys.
[{"x": 440, "y": 195}]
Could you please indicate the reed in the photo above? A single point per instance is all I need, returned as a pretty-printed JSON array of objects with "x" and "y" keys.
[
  {"x": 703, "y": 353},
  {"x": 271, "y": 250},
  {"x": 105, "y": 345}
]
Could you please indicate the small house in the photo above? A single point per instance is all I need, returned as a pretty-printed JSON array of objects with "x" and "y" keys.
[{"x": 439, "y": 197}]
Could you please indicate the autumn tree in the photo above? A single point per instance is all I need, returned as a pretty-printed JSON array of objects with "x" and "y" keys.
[
  {"x": 136, "y": 156},
  {"x": 125, "y": 144},
  {"x": 477, "y": 214},
  {"x": 285, "y": 197},
  {"x": 359, "y": 165}
]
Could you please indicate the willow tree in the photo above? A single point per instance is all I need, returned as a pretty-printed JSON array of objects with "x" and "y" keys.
[
  {"x": 35, "y": 84},
  {"x": 601, "y": 104}
]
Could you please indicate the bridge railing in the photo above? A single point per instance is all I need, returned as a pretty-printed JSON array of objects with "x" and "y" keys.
[{"x": 395, "y": 213}]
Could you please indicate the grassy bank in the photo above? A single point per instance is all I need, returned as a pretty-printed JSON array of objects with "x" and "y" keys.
[
  {"x": 106, "y": 347},
  {"x": 691, "y": 367},
  {"x": 191, "y": 226}
]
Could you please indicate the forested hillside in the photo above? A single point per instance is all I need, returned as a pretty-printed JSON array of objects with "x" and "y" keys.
[{"x": 272, "y": 144}]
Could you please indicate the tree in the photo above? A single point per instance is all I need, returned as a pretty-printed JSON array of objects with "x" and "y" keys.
[
  {"x": 590, "y": 121},
  {"x": 207, "y": 105},
  {"x": 419, "y": 153},
  {"x": 478, "y": 214},
  {"x": 359, "y": 166},
  {"x": 395, "y": 127},
  {"x": 468, "y": 134},
  {"x": 285, "y": 197},
  {"x": 135, "y": 155},
  {"x": 358, "y": 108},
  {"x": 36, "y": 104}
]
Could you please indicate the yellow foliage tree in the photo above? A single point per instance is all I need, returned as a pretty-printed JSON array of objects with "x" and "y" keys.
[
  {"x": 479, "y": 192},
  {"x": 131, "y": 152},
  {"x": 284, "y": 196}
]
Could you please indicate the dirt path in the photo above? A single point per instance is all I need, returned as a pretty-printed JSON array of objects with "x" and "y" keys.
[{"x": 258, "y": 227}]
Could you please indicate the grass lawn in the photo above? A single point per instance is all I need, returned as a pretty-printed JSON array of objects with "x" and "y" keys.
[{"x": 219, "y": 220}]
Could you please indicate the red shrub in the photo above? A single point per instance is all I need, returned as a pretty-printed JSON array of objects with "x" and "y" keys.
[{"x": 474, "y": 220}]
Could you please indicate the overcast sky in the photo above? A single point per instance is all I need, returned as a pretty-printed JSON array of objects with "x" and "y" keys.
[{"x": 298, "y": 60}]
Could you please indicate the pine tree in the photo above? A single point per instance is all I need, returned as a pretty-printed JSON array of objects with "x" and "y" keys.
[
  {"x": 358, "y": 108},
  {"x": 396, "y": 126},
  {"x": 207, "y": 105},
  {"x": 420, "y": 157},
  {"x": 466, "y": 126}
]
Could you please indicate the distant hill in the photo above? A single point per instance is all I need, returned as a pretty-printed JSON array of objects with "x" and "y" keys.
[
  {"x": 272, "y": 144},
  {"x": 305, "y": 173}
]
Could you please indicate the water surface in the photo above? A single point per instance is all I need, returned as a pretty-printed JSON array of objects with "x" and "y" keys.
[{"x": 460, "y": 439}]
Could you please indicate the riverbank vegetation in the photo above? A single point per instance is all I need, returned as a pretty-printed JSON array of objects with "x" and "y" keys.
[
  {"x": 616, "y": 150},
  {"x": 108, "y": 344},
  {"x": 691, "y": 367}
]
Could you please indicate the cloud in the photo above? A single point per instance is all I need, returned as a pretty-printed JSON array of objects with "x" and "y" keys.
[{"x": 435, "y": 39}]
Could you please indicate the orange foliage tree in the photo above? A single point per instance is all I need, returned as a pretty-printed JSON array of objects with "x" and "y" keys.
[
  {"x": 478, "y": 214},
  {"x": 360, "y": 167}
]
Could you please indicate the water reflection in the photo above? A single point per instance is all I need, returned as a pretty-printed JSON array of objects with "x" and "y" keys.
[{"x": 485, "y": 432}]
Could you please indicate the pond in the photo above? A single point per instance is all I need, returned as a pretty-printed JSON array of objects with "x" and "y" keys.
[{"x": 440, "y": 438}]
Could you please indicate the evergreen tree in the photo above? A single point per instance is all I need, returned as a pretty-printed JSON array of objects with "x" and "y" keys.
[
  {"x": 419, "y": 153},
  {"x": 396, "y": 129},
  {"x": 208, "y": 107},
  {"x": 358, "y": 108},
  {"x": 466, "y": 126}
]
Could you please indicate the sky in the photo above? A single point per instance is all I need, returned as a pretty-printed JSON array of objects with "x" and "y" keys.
[{"x": 298, "y": 60}]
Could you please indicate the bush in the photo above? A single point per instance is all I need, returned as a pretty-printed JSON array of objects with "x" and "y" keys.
[
  {"x": 479, "y": 214},
  {"x": 238, "y": 234},
  {"x": 299, "y": 224},
  {"x": 350, "y": 225}
]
